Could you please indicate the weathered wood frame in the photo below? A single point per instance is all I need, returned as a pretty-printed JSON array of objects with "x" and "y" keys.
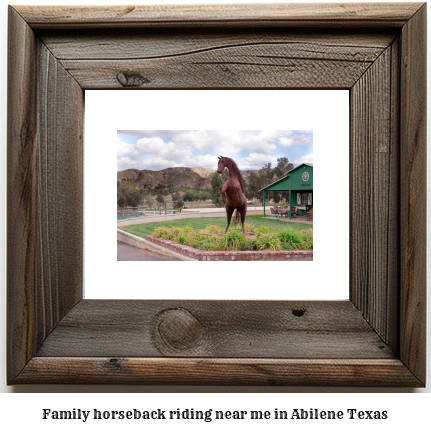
[{"x": 376, "y": 338}]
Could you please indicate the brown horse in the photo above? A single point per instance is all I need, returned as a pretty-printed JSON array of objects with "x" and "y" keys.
[{"x": 234, "y": 189}]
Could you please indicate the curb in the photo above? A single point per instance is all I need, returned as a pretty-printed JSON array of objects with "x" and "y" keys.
[
  {"x": 199, "y": 255},
  {"x": 141, "y": 243}
]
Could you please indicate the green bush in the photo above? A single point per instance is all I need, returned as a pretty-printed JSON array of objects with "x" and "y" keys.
[
  {"x": 182, "y": 239},
  {"x": 233, "y": 240},
  {"x": 265, "y": 238},
  {"x": 268, "y": 240},
  {"x": 307, "y": 239},
  {"x": 289, "y": 238}
]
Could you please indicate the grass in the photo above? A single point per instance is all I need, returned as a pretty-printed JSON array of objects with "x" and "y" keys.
[
  {"x": 143, "y": 230},
  {"x": 201, "y": 233}
]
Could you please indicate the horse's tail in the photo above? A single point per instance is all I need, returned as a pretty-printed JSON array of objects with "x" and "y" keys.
[{"x": 237, "y": 217}]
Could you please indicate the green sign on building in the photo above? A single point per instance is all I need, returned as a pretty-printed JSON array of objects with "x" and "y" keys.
[{"x": 299, "y": 182}]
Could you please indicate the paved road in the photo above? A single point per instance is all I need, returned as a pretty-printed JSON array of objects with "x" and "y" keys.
[{"x": 126, "y": 252}]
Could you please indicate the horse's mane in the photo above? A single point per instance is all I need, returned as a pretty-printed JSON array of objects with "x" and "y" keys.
[{"x": 231, "y": 165}]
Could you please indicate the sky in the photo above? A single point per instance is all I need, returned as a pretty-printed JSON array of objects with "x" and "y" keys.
[{"x": 250, "y": 149}]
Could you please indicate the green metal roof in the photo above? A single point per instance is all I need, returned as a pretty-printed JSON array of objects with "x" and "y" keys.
[{"x": 292, "y": 180}]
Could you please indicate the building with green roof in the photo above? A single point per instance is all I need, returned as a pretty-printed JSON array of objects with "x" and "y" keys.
[{"x": 299, "y": 182}]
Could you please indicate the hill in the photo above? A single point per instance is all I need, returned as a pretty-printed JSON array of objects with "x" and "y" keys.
[
  {"x": 177, "y": 176},
  {"x": 197, "y": 177},
  {"x": 204, "y": 172}
]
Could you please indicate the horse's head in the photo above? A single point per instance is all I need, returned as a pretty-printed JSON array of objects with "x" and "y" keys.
[{"x": 221, "y": 164}]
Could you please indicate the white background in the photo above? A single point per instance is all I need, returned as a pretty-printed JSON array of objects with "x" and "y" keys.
[
  {"x": 24, "y": 410},
  {"x": 324, "y": 112}
]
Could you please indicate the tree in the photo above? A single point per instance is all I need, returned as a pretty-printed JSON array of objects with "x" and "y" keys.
[
  {"x": 178, "y": 204},
  {"x": 217, "y": 183},
  {"x": 145, "y": 190},
  {"x": 205, "y": 195},
  {"x": 266, "y": 172},
  {"x": 188, "y": 196},
  {"x": 267, "y": 175},
  {"x": 283, "y": 166},
  {"x": 177, "y": 199},
  {"x": 148, "y": 200},
  {"x": 254, "y": 184},
  {"x": 127, "y": 194},
  {"x": 162, "y": 190},
  {"x": 160, "y": 198}
]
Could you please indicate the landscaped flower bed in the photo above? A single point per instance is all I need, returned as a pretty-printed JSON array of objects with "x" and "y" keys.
[
  {"x": 229, "y": 255},
  {"x": 259, "y": 238}
]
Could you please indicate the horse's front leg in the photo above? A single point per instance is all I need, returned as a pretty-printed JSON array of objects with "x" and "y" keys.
[
  {"x": 223, "y": 190},
  {"x": 224, "y": 199}
]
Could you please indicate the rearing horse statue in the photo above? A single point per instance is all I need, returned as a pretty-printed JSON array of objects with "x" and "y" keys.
[{"x": 234, "y": 189}]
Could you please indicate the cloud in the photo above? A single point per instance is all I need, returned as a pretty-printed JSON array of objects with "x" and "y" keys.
[
  {"x": 153, "y": 164},
  {"x": 150, "y": 149},
  {"x": 204, "y": 161},
  {"x": 255, "y": 161},
  {"x": 156, "y": 146},
  {"x": 226, "y": 143},
  {"x": 304, "y": 159},
  {"x": 126, "y": 163},
  {"x": 296, "y": 139},
  {"x": 157, "y": 163},
  {"x": 124, "y": 149},
  {"x": 146, "y": 133}
]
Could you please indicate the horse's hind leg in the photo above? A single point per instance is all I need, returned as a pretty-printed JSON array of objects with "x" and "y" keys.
[
  {"x": 229, "y": 212},
  {"x": 243, "y": 210}
]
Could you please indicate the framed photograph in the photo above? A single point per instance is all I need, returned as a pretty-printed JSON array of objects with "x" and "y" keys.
[
  {"x": 211, "y": 116},
  {"x": 376, "y": 337}
]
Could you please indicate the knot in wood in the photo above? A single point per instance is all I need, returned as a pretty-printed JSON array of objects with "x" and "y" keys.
[
  {"x": 298, "y": 312},
  {"x": 178, "y": 329},
  {"x": 131, "y": 79}
]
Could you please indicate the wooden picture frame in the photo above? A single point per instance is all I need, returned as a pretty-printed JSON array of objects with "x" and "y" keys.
[{"x": 376, "y": 338}]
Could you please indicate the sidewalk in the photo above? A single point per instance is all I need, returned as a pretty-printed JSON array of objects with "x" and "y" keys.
[
  {"x": 218, "y": 209},
  {"x": 185, "y": 214},
  {"x": 126, "y": 252},
  {"x": 293, "y": 220}
]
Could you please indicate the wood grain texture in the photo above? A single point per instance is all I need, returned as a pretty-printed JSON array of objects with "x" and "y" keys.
[
  {"x": 193, "y": 59},
  {"x": 374, "y": 195},
  {"x": 300, "y": 14},
  {"x": 393, "y": 225},
  {"x": 140, "y": 44},
  {"x": 59, "y": 182},
  {"x": 197, "y": 371},
  {"x": 265, "y": 65},
  {"x": 21, "y": 194},
  {"x": 413, "y": 194},
  {"x": 240, "y": 329},
  {"x": 375, "y": 338},
  {"x": 45, "y": 105}
]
